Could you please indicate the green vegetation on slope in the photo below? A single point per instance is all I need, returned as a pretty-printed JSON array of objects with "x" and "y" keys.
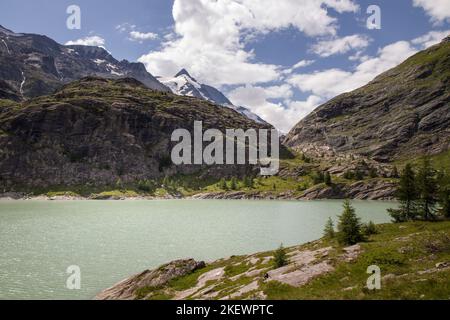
[
  {"x": 414, "y": 260},
  {"x": 407, "y": 255}
]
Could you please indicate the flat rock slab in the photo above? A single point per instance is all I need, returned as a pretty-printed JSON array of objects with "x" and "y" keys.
[{"x": 300, "y": 277}]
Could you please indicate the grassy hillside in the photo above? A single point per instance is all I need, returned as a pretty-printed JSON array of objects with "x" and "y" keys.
[
  {"x": 414, "y": 259},
  {"x": 403, "y": 113}
]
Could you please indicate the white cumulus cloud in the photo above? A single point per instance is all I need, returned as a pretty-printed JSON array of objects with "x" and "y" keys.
[
  {"x": 431, "y": 38},
  {"x": 298, "y": 65},
  {"x": 438, "y": 10},
  {"x": 142, "y": 36},
  {"x": 282, "y": 115},
  {"x": 326, "y": 48},
  {"x": 210, "y": 36},
  {"x": 95, "y": 41},
  {"x": 332, "y": 82}
]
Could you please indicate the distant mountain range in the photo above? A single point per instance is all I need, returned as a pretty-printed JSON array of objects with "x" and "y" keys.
[
  {"x": 35, "y": 65},
  {"x": 58, "y": 130},
  {"x": 184, "y": 84}
]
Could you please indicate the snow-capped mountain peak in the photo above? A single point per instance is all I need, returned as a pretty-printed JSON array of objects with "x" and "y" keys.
[
  {"x": 184, "y": 84},
  {"x": 183, "y": 72}
]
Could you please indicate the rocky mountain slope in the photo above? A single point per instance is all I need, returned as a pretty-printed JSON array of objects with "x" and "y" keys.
[
  {"x": 402, "y": 114},
  {"x": 33, "y": 65},
  {"x": 185, "y": 85},
  {"x": 96, "y": 132}
]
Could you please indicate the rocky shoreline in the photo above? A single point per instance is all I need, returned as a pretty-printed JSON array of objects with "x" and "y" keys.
[
  {"x": 372, "y": 190},
  {"x": 340, "y": 271}
]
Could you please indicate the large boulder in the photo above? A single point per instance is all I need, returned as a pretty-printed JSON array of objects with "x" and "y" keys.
[{"x": 127, "y": 289}]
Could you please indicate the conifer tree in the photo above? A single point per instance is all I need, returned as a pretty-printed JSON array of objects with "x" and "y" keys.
[
  {"x": 327, "y": 179},
  {"x": 394, "y": 173},
  {"x": 329, "y": 232},
  {"x": 427, "y": 186},
  {"x": 369, "y": 228},
  {"x": 373, "y": 173},
  {"x": 223, "y": 184},
  {"x": 349, "y": 226},
  {"x": 407, "y": 194},
  {"x": 233, "y": 185},
  {"x": 444, "y": 193},
  {"x": 280, "y": 257},
  {"x": 248, "y": 182}
]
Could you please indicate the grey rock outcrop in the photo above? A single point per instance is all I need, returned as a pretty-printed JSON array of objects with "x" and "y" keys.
[
  {"x": 128, "y": 288},
  {"x": 96, "y": 132}
]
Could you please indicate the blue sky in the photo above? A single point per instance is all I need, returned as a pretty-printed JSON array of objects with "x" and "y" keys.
[{"x": 248, "y": 48}]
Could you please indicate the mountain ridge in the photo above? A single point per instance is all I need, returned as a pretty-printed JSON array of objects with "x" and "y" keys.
[
  {"x": 35, "y": 65},
  {"x": 402, "y": 113},
  {"x": 185, "y": 85},
  {"x": 96, "y": 132}
]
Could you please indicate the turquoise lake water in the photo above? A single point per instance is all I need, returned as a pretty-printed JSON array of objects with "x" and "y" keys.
[{"x": 111, "y": 240}]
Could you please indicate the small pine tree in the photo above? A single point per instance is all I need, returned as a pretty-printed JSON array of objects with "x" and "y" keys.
[
  {"x": 329, "y": 232},
  {"x": 233, "y": 185},
  {"x": 327, "y": 179},
  {"x": 349, "y": 226},
  {"x": 318, "y": 177},
  {"x": 369, "y": 229},
  {"x": 407, "y": 195},
  {"x": 248, "y": 182},
  {"x": 119, "y": 184},
  {"x": 427, "y": 186},
  {"x": 394, "y": 173},
  {"x": 373, "y": 173},
  {"x": 280, "y": 257},
  {"x": 166, "y": 182},
  {"x": 445, "y": 203},
  {"x": 223, "y": 184},
  {"x": 359, "y": 175},
  {"x": 349, "y": 175},
  {"x": 444, "y": 193}
]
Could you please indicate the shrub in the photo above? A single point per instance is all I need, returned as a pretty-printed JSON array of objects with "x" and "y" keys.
[
  {"x": 318, "y": 177},
  {"x": 369, "y": 229},
  {"x": 146, "y": 186}
]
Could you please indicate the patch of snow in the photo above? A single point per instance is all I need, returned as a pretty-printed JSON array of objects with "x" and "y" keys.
[
  {"x": 184, "y": 85},
  {"x": 111, "y": 66},
  {"x": 99, "y": 61},
  {"x": 116, "y": 73},
  {"x": 174, "y": 84},
  {"x": 22, "y": 83},
  {"x": 6, "y": 45}
]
